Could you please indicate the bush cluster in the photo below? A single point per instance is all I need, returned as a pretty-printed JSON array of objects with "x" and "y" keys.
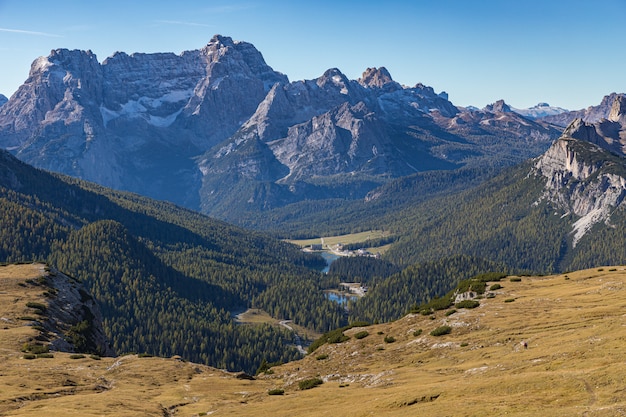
[
  {"x": 309, "y": 383},
  {"x": 467, "y": 304},
  {"x": 440, "y": 331},
  {"x": 335, "y": 336}
]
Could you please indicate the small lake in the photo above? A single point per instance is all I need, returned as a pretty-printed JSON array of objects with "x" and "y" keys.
[
  {"x": 341, "y": 299},
  {"x": 329, "y": 258}
]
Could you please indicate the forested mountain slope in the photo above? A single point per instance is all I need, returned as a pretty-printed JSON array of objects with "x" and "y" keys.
[
  {"x": 561, "y": 211},
  {"x": 167, "y": 279}
]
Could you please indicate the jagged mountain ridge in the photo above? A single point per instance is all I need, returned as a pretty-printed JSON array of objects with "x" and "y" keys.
[
  {"x": 591, "y": 114},
  {"x": 162, "y": 125}
]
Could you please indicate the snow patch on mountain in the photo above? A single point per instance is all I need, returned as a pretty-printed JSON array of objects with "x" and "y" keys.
[
  {"x": 540, "y": 110},
  {"x": 145, "y": 107}
]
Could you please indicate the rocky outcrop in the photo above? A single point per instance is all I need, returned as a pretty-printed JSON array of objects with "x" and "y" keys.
[
  {"x": 498, "y": 107},
  {"x": 584, "y": 170},
  {"x": 3, "y": 100},
  {"x": 71, "y": 320},
  {"x": 346, "y": 139},
  {"x": 378, "y": 78}
]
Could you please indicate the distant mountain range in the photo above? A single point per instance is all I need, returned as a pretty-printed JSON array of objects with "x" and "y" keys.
[
  {"x": 539, "y": 111},
  {"x": 218, "y": 130}
]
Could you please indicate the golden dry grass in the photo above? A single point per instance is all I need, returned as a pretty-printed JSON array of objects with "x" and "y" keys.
[{"x": 574, "y": 365}]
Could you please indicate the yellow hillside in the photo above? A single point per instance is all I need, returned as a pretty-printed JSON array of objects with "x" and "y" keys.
[{"x": 574, "y": 364}]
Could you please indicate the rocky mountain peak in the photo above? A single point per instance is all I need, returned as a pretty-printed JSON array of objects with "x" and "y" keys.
[
  {"x": 618, "y": 110},
  {"x": 378, "y": 78},
  {"x": 498, "y": 107},
  {"x": 3, "y": 99},
  {"x": 580, "y": 169}
]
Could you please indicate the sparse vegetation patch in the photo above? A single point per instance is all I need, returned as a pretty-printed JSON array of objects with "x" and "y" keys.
[
  {"x": 467, "y": 304},
  {"x": 335, "y": 336},
  {"x": 362, "y": 334},
  {"x": 309, "y": 383},
  {"x": 441, "y": 330}
]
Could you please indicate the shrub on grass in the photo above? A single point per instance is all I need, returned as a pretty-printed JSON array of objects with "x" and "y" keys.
[
  {"x": 39, "y": 308},
  {"x": 95, "y": 357},
  {"x": 417, "y": 332},
  {"x": 509, "y": 300},
  {"x": 29, "y": 356},
  {"x": 441, "y": 330},
  {"x": 45, "y": 355},
  {"x": 35, "y": 348},
  {"x": 309, "y": 383},
  {"x": 335, "y": 336},
  {"x": 467, "y": 304},
  {"x": 321, "y": 357},
  {"x": 450, "y": 312},
  {"x": 362, "y": 334},
  {"x": 276, "y": 391},
  {"x": 495, "y": 287},
  {"x": 516, "y": 279},
  {"x": 77, "y": 356},
  {"x": 389, "y": 339}
]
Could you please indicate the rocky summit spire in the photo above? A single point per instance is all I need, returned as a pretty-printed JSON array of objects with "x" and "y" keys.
[
  {"x": 498, "y": 107},
  {"x": 618, "y": 110},
  {"x": 375, "y": 77}
]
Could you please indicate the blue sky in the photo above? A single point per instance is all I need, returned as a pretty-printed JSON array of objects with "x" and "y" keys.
[{"x": 568, "y": 53}]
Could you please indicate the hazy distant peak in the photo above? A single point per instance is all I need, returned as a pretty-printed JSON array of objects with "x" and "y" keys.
[{"x": 498, "y": 107}]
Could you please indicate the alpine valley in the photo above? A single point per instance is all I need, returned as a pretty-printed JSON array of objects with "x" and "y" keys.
[{"x": 150, "y": 191}]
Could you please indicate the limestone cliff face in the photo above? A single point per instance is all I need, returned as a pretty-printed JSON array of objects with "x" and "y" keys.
[
  {"x": 135, "y": 121},
  {"x": 585, "y": 170},
  {"x": 178, "y": 127},
  {"x": 73, "y": 322}
]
